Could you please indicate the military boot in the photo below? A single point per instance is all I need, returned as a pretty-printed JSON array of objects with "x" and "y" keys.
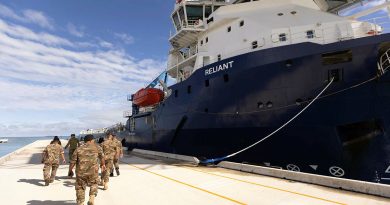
[
  {"x": 91, "y": 200},
  {"x": 117, "y": 171},
  {"x": 112, "y": 173},
  {"x": 47, "y": 182}
]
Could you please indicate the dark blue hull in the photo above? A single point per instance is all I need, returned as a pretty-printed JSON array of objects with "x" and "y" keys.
[{"x": 342, "y": 134}]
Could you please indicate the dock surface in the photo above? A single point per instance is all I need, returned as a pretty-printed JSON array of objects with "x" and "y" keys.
[{"x": 152, "y": 180}]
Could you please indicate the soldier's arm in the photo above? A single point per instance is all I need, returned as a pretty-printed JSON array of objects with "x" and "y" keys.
[
  {"x": 101, "y": 157},
  {"x": 67, "y": 144},
  {"x": 62, "y": 156},
  {"x": 44, "y": 155}
]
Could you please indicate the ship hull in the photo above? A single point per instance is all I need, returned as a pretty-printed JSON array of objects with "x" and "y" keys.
[{"x": 343, "y": 134}]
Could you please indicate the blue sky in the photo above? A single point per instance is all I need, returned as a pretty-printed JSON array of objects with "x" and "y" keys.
[{"x": 69, "y": 65}]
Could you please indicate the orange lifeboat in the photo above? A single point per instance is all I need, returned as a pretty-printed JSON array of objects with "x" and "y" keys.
[{"x": 148, "y": 96}]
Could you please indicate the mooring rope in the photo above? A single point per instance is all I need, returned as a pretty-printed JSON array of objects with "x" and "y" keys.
[{"x": 208, "y": 161}]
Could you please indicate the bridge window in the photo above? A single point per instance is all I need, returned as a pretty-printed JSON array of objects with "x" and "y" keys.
[
  {"x": 201, "y": 42},
  {"x": 229, "y": 29},
  {"x": 207, "y": 11},
  {"x": 176, "y": 21},
  {"x": 310, "y": 34},
  {"x": 241, "y": 23},
  {"x": 194, "y": 13},
  {"x": 207, "y": 39}
]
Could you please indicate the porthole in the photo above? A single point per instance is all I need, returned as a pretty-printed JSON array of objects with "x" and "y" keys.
[
  {"x": 260, "y": 105},
  {"x": 269, "y": 104},
  {"x": 280, "y": 14},
  {"x": 289, "y": 63},
  {"x": 299, "y": 101},
  {"x": 293, "y": 12}
]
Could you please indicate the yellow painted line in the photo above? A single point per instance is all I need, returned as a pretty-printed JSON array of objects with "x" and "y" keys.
[
  {"x": 265, "y": 186},
  {"x": 189, "y": 185}
]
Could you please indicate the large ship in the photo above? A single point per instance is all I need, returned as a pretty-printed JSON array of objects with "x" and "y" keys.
[{"x": 244, "y": 69}]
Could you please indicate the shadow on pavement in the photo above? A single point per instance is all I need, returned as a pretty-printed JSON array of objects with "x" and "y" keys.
[
  {"x": 36, "y": 182},
  {"x": 49, "y": 202}
]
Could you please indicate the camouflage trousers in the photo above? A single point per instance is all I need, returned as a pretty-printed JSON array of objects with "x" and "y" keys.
[
  {"x": 71, "y": 151},
  {"x": 116, "y": 163},
  {"x": 47, "y": 176},
  {"x": 81, "y": 185},
  {"x": 106, "y": 173}
]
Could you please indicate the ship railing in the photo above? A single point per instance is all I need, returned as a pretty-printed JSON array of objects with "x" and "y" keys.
[
  {"x": 384, "y": 62},
  {"x": 127, "y": 113}
]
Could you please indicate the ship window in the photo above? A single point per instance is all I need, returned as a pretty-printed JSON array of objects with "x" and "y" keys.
[
  {"x": 241, "y": 23},
  {"x": 254, "y": 44},
  {"x": 282, "y": 37},
  {"x": 189, "y": 89},
  {"x": 229, "y": 29},
  {"x": 310, "y": 34},
  {"x": 207, "y": 11},
  {"x": 207, "y": 39},
  {"x": 210, "y": 20},
  {"x": 176, "y": 93},
  {"x": 219, "y": 57},
  {"x": 260, "y": 105},
  {"x": 207, "y": 83},
  {"x": 201, "y": 42},
  {"x": 176, "y": 21},
  {"x": 337, "y": 57},
  {"x": 226, "y": 78},
  {"x": 194, "y": 13}
]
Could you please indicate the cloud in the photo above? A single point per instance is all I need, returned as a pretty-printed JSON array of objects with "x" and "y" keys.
[
  {"x": 76, "y": 31},
  {"x": 361, "y": 7},
  {"x": 45, "y": 73},
  {"x": 28, "y": 16},
  {"x": 127, "y": 39},
  {"x": 39, "y": 18}
]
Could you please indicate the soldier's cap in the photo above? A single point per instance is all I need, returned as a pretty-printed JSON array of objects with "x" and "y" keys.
[
  {"x": 73, "y": 135},
  {"x": 88, "y": 138}
]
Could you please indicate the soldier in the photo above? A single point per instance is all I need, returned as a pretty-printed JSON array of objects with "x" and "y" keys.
[
  {"x": 119, "y": 154},
  {"x": 51, "y": 159},
  {"x": 87, "y": 169},
  {"x": 73, "y": 143},
  {"x": 110, "y": 150}
]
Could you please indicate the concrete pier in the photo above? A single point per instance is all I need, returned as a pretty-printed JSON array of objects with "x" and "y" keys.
[{"x": 147, "y": 179}]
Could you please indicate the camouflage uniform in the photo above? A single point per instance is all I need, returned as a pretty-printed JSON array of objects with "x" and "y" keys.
[
  {"x": 110, "y": 150},
  {"x": 73, "y": 142},
  {"x": 116, "y": 159},
  {"x": 86, "y": 158},
  {"x": 51, "y": 160}
]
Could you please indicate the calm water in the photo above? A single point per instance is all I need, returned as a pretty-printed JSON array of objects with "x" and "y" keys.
[{"x": 15, "y": 143}]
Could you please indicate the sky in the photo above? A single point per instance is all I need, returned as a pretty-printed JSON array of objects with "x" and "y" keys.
[{"x": 68, "y": 65}]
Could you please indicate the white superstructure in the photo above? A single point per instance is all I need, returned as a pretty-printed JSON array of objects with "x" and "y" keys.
[{"x": 210, "y": 31}]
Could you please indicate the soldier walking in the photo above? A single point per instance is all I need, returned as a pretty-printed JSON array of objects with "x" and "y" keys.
[
  {"x": 73, "y": 143},
  {"x": 86, "y": 158},
  {"x": 110, "y": 150},
  {"x": 119, "y": 154},
  {"x": 51, "y": 159}
]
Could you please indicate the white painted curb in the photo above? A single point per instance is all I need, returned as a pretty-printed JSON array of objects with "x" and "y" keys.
[
  {"x": 338, "y": 183},
  {"x": 168, "y": 155}
]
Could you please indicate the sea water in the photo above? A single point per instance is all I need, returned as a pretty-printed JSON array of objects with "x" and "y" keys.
[{"x": 15, "y": 143}]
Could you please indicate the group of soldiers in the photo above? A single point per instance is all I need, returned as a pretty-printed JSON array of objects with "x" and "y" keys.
[{"x": 87, "y": 156}]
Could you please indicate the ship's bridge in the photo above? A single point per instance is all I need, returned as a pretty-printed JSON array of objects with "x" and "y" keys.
[{"x": 190, "y": 18}]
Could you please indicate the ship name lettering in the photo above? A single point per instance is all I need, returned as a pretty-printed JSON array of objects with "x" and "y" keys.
[{"x": 218, "y": 68}]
